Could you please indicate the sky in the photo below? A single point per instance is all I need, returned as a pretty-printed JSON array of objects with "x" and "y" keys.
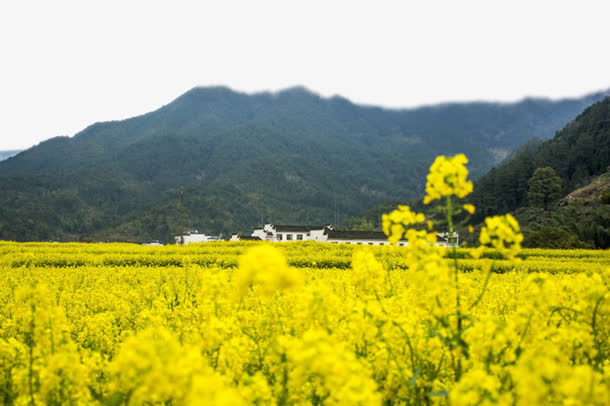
[{"x": 67, "y": 64}]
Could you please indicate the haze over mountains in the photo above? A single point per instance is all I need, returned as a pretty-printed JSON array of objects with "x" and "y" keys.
[
  {"x": 7, "y": 154},
  {"x": 289, "y": 157}
]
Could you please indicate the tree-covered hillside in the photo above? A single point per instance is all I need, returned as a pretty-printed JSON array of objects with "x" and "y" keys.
[
  {"x": 574, "y": 164},
  {"x": 291, "y": 156},
  {"x": 578, "y": 153}
]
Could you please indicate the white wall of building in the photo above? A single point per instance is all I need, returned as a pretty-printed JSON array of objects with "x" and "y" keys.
[
  {"x": 361, "y": 242},
  {"x": 269, "y": 233},
  {"x": 318, "y": 235},
  {"x": 287, "y": 236},
  {"x": 266, "y": 233},
  {"x": 191, "y": 238}
]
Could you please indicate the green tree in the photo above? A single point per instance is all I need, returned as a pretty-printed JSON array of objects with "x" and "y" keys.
[
  {"x": 360, "y": 224},
  {"x": 544, "y": 187},
  {"x": 555, "y": 238},
  {"x": 605, "y": 199}
]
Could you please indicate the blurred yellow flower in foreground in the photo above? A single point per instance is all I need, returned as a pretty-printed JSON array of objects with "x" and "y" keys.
[
  {"x": 394, "y": 224},
  {"x": 265, "y": 267},
  {"x": 448, "y": 177}
]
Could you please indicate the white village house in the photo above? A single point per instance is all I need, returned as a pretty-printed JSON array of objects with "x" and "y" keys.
[
  {"x": 273, "y": 232},
  {"x": 194, "y": 236},
  {"x": 326, "y": 233}
]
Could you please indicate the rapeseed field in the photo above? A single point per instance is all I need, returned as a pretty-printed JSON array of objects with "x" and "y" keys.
[{"x": 234, "y": 323}]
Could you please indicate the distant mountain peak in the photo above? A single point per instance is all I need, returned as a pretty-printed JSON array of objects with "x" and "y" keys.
[
  {"x": 207, "y": 92},
  {"x": 298, "y": 89},
  {"x": 225, "y": 90}
]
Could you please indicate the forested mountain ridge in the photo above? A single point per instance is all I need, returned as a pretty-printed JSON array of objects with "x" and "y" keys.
[
  {"x": 577, "y": 161},
  {"x": 578, "y": 153},
  {"x": 290, "y": 156}
]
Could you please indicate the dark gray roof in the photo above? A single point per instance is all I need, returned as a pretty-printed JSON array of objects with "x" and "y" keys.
[
  {"x": 368, "y": 235},
  {"x": 304, "y": 229},
  {"x": 357, "y": 235}
]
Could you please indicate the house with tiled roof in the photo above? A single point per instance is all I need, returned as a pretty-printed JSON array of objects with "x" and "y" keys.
[
  {"x": 327, "y": 233},
  {"x": 282, "y": 232}
]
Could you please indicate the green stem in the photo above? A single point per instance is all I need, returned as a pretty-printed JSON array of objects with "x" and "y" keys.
[
  {"x": 283, "y": 399},
  {"x": 457, "y": 290},
  {"x": 31, "y": 357},
  {"x": 480, "y": 297},
  {"x": 596, "y": 340}
]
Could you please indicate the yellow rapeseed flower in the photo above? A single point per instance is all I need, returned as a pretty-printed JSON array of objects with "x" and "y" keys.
[
  {"x": 367, "y": 273},
  {"x": 394, "y": 224},
  {"x": 502, "y": 233},
  {"x": 448, "y": 177},
  {"x": 266, "y": 267},
  {"x": 469, "y": 208}
]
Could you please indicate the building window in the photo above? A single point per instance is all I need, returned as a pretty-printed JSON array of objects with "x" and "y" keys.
[
  {"x": 300, "y": 237},
  {"x": 371, "y": 243},
  {"x": 288, "y": 237},
  {"x": 279, "y": 237}
]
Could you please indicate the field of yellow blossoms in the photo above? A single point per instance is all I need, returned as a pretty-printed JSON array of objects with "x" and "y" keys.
[{"x": 240, "y": 323}]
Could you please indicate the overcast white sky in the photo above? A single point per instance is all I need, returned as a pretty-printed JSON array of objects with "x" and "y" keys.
[{"x": 67, "y": 64}]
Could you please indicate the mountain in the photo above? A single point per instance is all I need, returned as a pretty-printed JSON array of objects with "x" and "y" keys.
[
  {"x": 580, "y": 156},
  {"x": 290, "y": 156},
  {"x": 7, "y": 154}
]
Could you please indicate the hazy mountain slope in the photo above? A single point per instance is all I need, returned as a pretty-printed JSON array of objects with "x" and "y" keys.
[{"x": 292, "y": 153}]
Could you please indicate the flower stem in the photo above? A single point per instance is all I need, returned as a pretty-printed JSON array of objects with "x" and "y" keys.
[{"x": 458, "y": 313}]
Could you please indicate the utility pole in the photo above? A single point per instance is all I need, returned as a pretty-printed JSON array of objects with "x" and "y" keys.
[
  {"x": 38, "y": 223},
  {"x": 181, "y": 215},
  {"x": 262, "y": 209},
  {"x": 336, "y": 213}
]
